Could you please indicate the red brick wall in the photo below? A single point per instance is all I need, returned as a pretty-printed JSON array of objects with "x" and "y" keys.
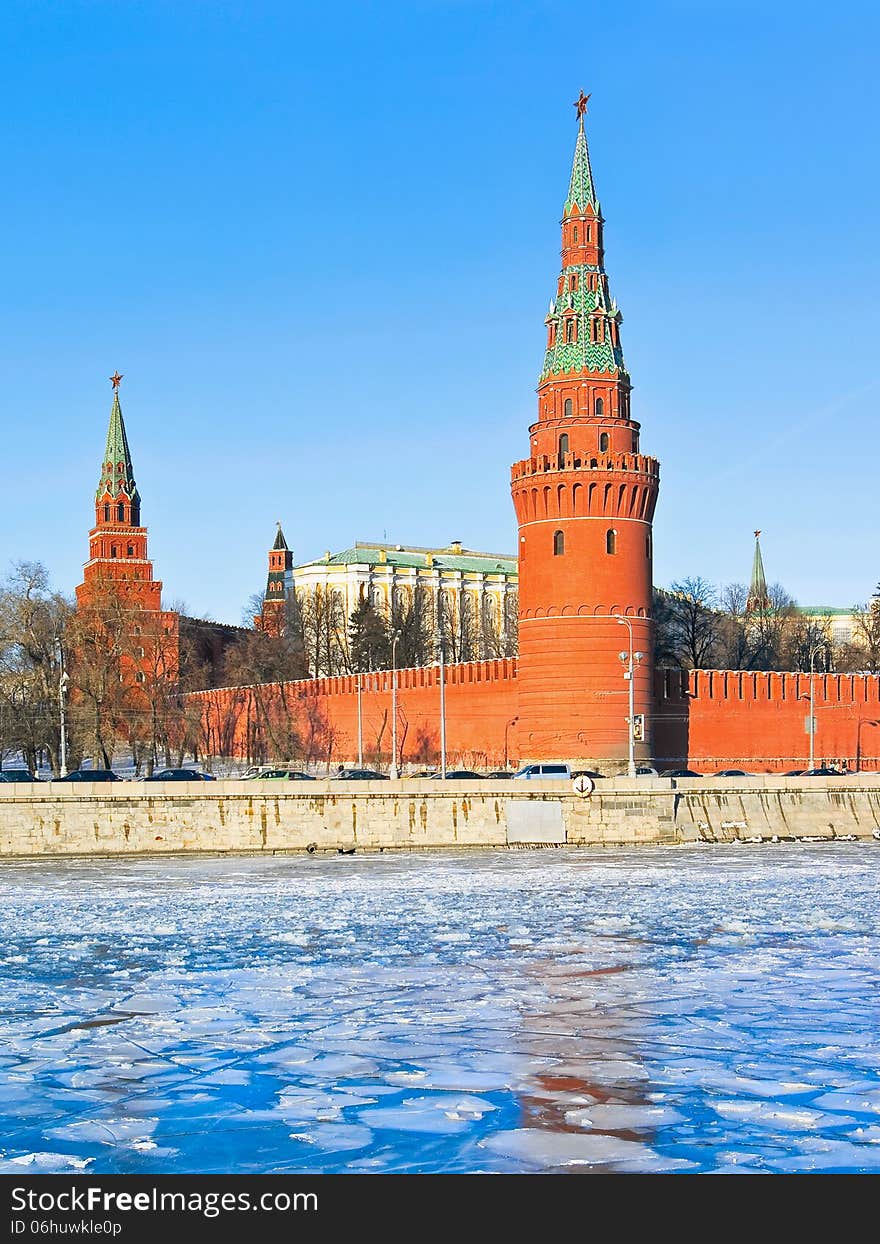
[
  {"x": 707, "y": 720},
  {"x": 719, "y": 719},
  {"x": 480, "y": 705}
]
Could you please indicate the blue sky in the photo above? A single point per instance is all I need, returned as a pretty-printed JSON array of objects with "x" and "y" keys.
[{"x": 319, "y": 242}]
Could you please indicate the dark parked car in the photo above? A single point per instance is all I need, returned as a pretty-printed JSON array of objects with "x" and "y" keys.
[
  {"x": 500, "y": 773},
  {"x": 733, "y": 773},
  {"x": 590, "y": 773},
  {"x": 793, "y": 773},
  {"x": 360, "y": 775},
  {"x": 297, "y": 775},
  {"x": 680, "y": 773},
  {"x": 458, "y": 774},
  {"x": 17, "y": 775},
  {"x": 179, "y": 775},
  {"x": 824, "y": 773},
  {"x": 91, "y": 775}
]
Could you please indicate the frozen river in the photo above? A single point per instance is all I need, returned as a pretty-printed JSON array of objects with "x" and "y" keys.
[{"x": 708, "y": 1009}]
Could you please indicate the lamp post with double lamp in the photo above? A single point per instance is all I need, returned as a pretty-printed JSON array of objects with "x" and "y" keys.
[
  {"x": 630, "y": 660},
  {"x": 62, "y": 707},
  {"x": 360, "y": 715},
  {"x": 392, "y": 771},
  {"x": 442, "y": 712},
  {"x": 813, "y": 651}
]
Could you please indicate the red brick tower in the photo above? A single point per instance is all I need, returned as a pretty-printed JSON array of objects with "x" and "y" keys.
[
  {"x": 584, "y": 501},
  {"x": 279, "y": 585},
  {"x": 117, "y": 542}
]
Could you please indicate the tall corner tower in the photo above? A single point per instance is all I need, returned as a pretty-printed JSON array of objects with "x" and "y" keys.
[
  {"x": 279, "y": 584},
  {"x": 584, "y": 500},
  {"x": 118, "y": 542}
]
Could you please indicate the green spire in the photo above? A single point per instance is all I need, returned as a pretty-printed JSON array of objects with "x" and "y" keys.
[
  {"x": 581, "y": 190},
  {"x": 117, "y": 472},
  {"x": 758, "y": 598}
]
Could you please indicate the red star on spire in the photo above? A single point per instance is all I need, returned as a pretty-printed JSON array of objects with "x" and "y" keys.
[
  {"x": 115, "y": 379},
  {"x": 581, "y": 105}
]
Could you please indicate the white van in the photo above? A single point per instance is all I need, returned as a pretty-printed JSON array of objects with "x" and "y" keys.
[{"x": 557, "y": 772}]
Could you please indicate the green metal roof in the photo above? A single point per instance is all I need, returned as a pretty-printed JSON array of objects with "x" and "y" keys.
[
  {"x": 823, "y": 611},
  {"x": 441, "y": 559},
  {"x": 117, "y": 472},
  {"x": 581, "y": 189}
]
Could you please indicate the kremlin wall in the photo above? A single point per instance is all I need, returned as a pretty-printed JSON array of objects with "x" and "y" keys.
[{"x": 584, "y": 497}]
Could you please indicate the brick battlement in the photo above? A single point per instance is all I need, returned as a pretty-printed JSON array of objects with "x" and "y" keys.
[{"x": 613, "y": 463}]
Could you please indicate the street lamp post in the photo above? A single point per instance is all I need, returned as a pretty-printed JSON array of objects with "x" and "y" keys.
[
  {"x": 629, "y": 659},
  {"x": 813, "y": 652},
  {"x": 392, "y": 772},
  {"x": 360, "y": 724},
  {"x": 62, "y": 705},
  {"x": 442, "y": 712}
]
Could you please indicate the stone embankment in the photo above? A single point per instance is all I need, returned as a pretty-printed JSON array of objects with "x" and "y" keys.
[{"x": 129, "y": 818}]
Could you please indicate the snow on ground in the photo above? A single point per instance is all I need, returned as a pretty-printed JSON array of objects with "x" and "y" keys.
[{"x": 649, "y": 1010}]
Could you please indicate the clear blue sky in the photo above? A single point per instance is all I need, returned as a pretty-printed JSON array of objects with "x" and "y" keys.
[{"x": 319, "y": 242}]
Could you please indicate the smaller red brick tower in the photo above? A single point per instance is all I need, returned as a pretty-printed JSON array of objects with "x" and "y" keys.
[
  {"x": 118, "y": 542},
  {"x": 584, "y": 501},
  {"x": 279, "y": 584}
]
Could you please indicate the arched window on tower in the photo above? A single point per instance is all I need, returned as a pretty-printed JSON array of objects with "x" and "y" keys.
[
  {"x": 563, "y": 448},
  {"x": 120, "y": 512},
  {"x": 575, "y": 235},
  {"x": 610, "y": 540},
  {"x": 635, "y": 442},
  {"x": 112, "y": 550},
  {"x": 603, "y": 443},
  {"x": 568, "y": 407},
  {"x": 106, "y": 513},
  {"x": 569, "y": 331},
  {"x": 558, "y": 543},
  {"x": 130, "y": 551},
  {"x": 589, "y": 233},
  {"x": 648, "y": 546},
  {"x": 600, "y": 407}
]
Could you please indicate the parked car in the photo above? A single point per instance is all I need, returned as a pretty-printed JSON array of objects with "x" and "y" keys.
[
  {"x": 532, "y": 773},
  {"x": 793, "y": 773},
  {"x": 269, "y": 775},
  {"x": 590, "y": 773},
  {"x": 17, "y": 775},
  {"x": 733, "y": 773},
  {"x": 680, "y": 773},
  {"x": 91, "y": 775},
  {"x": 500, "y": 773},
  {"x": 179, "y": 775},
  {"x": 825, "y": 773},
  {"x": 360, "y": 775},
  {"x": 458, "y": 775},
  {"x": 646, "y": 771}
]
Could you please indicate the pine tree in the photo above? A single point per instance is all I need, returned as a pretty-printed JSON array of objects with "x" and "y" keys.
[{"x": 369, "y": 643}]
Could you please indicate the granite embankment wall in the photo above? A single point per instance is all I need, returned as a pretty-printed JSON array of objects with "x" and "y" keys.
[{"x": 266, "y": 817}]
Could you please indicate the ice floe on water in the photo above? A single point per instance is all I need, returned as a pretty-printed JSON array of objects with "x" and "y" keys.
[{"x": 650, "y": 1010}]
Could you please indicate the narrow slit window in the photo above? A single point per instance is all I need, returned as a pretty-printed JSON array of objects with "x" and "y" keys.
[
  {"x": 558, "y": 543},
  {"x": 611, "y": 541},
  {"x": 568, "y": 408},
  {"x": 563, "y": 447},
  {"x": 603, "y": 442},
  {"x": 600, "y": 407}
]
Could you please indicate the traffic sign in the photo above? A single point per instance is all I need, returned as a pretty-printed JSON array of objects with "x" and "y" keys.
[{"x": 583, "y": 785}]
